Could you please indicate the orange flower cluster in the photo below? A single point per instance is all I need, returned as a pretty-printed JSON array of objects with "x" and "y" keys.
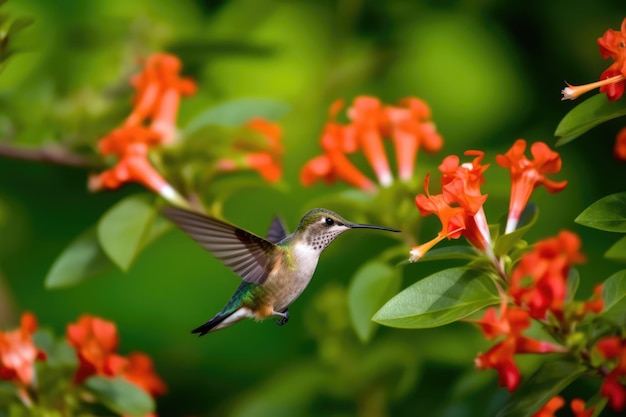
[
  {"x": 538, "y": 285},
  {"x": 265, "y": 158},
  {"x": 612, "y": 45},
  {"x": 151, "y": 123},
  {"x": 460, "y": 206},
  {"x": 526, "y": 175},
  {"x": 407, "y": 125},
  {"x": 159, "y": 88},
  {"x": 613, "y": 349},
  {"x": 538, "y": 289},
  {"x": 539, "y": 281},
  {"x": 577, "y": 405},
  {"x": 95, "y": 341},
  {"x": 613, "y": 79},
  {"x": 18, "y": 353},
  {"x": 511, "y": 322}
]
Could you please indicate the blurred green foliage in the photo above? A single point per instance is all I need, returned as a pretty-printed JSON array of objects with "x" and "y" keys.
[{"x": 491, "y": 71}]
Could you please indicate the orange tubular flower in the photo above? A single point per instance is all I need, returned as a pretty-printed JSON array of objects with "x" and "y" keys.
[
  {"x": 266, "y": 159},
  {"x": 410, "y": 129},
  {"x": 619, "y": 150},
  {"x": 94, "y": 340},
  {"x": 452, "y": 219},
  {"x": 612, "y": 45},
  {"x": 613, "y": 349},
  {"x": 615, "y": 392},
  {"x": 131, "y": 146},
  {"x": 18, "y": 353},
  {"x": 471, "y": 176},
  {"x": 152, "y": 123},
  {"x": 613, "y": 79},
  {"x": 539, "y": 281},
  {"x": 318, "y": 168},
  {"x": 461, "y": 187},
  {"x": 336, "y": 141},
  {"x": 138, "y": 369},
  {"x": 511, "y": 323},
  {"x": 367, "y": 116},
  {"x": 265, "y": 165},
  {"x": 578, "y": 408},
  {"x": 500, "y": 358},
  {"x": 407, "y": 125},
  {"x": 550, "y": 407},
  {"x": 159, "y": 88},
  {"x": 526, "y": 175}
]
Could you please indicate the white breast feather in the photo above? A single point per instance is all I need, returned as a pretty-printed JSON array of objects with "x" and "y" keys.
[{"x": 305, "y": 258}]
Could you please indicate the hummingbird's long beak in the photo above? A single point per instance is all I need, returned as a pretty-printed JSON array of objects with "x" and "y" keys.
[{"x": 370, "y": 226}]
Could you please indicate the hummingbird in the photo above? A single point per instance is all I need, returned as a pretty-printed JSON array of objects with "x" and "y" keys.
[{"x": 275, "y": 270}]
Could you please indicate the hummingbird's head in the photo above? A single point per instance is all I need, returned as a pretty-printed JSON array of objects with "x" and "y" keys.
[{"x": 319, "y": 227}]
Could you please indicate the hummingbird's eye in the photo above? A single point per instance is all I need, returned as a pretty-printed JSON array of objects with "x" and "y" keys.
[{"x": 329, "y": 221}]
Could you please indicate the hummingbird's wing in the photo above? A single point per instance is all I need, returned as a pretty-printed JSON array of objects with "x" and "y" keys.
[
  {"x": 277, "y": 230},
  {"x": 243, "y": 252}
]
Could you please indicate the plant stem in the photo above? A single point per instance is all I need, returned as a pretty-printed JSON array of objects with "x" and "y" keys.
[{"x": 49, "y": 154}]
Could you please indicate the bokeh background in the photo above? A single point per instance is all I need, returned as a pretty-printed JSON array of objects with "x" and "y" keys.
[{"x": 491, "y": 71}]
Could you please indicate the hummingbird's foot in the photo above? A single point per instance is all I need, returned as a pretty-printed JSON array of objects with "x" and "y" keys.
[{"x": 284, "y": 317}]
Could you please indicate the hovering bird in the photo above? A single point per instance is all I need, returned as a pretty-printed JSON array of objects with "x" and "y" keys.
[{"x": 275, "y": 270}]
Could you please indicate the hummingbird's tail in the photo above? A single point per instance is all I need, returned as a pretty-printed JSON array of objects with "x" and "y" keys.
[{"x": 223, "y": 319}]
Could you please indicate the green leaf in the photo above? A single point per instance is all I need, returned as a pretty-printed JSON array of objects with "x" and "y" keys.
[
  {"x": 120, "y": 395},
  {"x": 439, "y": 299},
  {"x": 159, "y": 226},
  {"x": 126, "y": 228},
  {"x": 506, "y": 242},
  {"x": 238, "y": 112},
  {"x": 58, "y": 353},
  {"x": 573, "y": 280},
  {"x": 82, "y": 259},
  {"x": 373, "y": 284},
  {"x": 550, "y": 379},
  {"x": 468, "y": 253},
  {"x": 586, "y": 115},
  {"x": 608, "y": 213},
  {"x": 19, "y": 24},
  {"x": 614, "y": 296},
  {"x": 617, "y": 252}
]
